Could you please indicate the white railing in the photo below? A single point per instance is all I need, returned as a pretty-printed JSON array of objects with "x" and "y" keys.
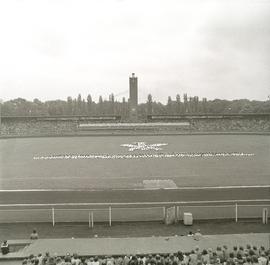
[{"x": 133, "y": 211}]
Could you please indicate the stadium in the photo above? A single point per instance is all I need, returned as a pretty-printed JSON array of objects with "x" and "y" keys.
[
  {"x": 100, "y": 166},
  {"x": 113, "y": 173},
  {"x": 99, "y": 170}
]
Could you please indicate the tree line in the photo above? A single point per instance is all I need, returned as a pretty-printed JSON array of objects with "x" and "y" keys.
[{"x": 174, "y": 106}]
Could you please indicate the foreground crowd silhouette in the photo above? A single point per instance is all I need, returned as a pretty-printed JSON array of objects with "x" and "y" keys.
[{"x": 249, "y": 255}]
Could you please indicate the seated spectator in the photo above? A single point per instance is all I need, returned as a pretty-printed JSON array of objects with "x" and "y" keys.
[
  {"x": 211, "y": 253},
  {"x": 241, "y": 251},
  {"x": 190, "y": 233},
  {"x": 226, "y": 252},
  {"x": 205, "y": 257},
  {"x": 34, "y": 235},
  {"x": 110, "y": 260},
  {"x": 248, "y": 247},
  {"x": 75, "y": 260},
  {"x": 215, "y": 259},
  {"x": 180, "y": 256},
  {"x": 256, "y": 251},
  {"x": 262, "y": 250},
  {"x": 58, "y": 261},
  {"x": 235, "y": 251},
  {"x": 126, "y": 260},
  {"x": 197, "y": 236},
  {"x": 118, "y": 261},
  {"x": 220, "y": 254},
  {"x": 45, "y": 260},
  {"x": 83, "y": 261},
  {"x": 91, "y": 261},
  {"x": 51, "y": 261},
  {"x": 230, "y": 260},
  {"x": 248, "y": 261},
  {"x": 255, "y": 260},
  {"x": 262, "y": 259},
  {"x": 5, "y": 247},
  {"x": 96, "y": 261},
  {"x": 239, "y": 258},
  {"x": 198, "y": 253},
  {"x": 186, "y": 258},
  {"x": 193, "y": 258},
  {"x": 251, "y": 253}
]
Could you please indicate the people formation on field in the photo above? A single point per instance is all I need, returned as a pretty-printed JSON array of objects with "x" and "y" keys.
[{"x": 249, "y": 255}]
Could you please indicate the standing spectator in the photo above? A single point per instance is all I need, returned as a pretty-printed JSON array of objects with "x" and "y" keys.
[
  {"x": 34, "y": 235},
  {"x": 5, "y": 247}
]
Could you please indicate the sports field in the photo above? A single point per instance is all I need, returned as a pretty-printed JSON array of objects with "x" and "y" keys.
[{"x": 134, "y": 162}]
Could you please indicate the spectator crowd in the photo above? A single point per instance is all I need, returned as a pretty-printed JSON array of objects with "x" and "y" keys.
[{"x": 239, "y": 255}]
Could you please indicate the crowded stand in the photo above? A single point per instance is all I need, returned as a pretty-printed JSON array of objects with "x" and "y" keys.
[
  {"x": 52, "y": 126},
  {"x": 238, "y": 255}
]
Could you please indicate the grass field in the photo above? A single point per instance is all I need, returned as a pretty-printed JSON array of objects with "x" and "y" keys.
[{"x": 19, "y": 170}]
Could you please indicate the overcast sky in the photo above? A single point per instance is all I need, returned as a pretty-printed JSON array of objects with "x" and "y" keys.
[{"x": 209, "y": 48}]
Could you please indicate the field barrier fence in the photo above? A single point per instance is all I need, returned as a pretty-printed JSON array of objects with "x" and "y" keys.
[{"x": 168, "y": 212}]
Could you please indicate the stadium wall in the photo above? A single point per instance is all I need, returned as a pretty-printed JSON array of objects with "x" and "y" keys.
[
  {"x": 69, "y": 125},
  {"x": 255, "y": 124}
]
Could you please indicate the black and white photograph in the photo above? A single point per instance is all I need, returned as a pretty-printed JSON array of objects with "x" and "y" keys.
[{"x": 135, "y": 132}]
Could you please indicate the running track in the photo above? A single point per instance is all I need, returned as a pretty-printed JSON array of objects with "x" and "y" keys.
[{"x": 8, "y": 198}]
